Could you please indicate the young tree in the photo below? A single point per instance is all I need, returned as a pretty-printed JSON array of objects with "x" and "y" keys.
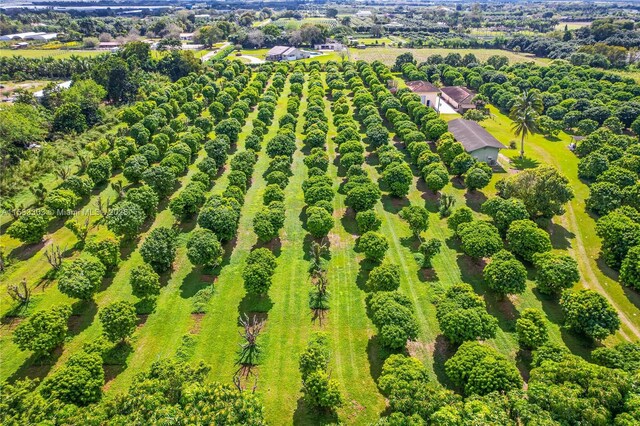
[
  {"x": 159, "y": 249},
  {"x": 459, "y": 216},
  {"x": 144, "y": 281},
  {"x": 78, "y": 382},
  {"x": 525, "y": 239},
  {"x": 504, "y": 211},
  {"x": 479, "y": 239},
  {"x": 505, "y": 274},
  {"x": 319, "y": 221},
  {"x": 531, "y": 329},
  {"x": 118, "y": 321},
  {"x": 125, "y": 218},
  {"x": 555, "y": 272},
  {"x": 417, "y": 217},
  {"x": 258, "y": 270},
  {"x": 321, "y": 392},
  {"x": 31, "y": 226},
  {"x": 363, "y": 197},
  {"x": 589, "y": 313},
  {"x": 368, "y": 220},
  {"x": 428, "y": 249},
  {"x": 81, "y": 278},
  {"x": 203, "y": 248},
  {"x": 374, "y": 245},
  {"x": 384, "y": 277},
  {"x": 43, "y": 331}
]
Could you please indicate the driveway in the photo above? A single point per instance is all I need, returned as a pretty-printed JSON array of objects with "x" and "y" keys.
[{"x": 208, "y": 56}]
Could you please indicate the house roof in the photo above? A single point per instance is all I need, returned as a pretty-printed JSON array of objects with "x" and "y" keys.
[
  {"x": 280, "y": 50},
  {"x": 421, "y": 86},
  {"x": 472, "y": 136},
  {"x": 459, "y": 94}
]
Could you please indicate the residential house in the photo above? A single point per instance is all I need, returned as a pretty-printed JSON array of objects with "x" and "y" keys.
[
  {"x": 329, "y": 45},
  {"x": 476, "y": 140},
  {"x": 286, "y": 53},
  {"x": 186, "y": 36},
  {"x": 459, "y": 97},
  {"x": 428, "y": 93}
]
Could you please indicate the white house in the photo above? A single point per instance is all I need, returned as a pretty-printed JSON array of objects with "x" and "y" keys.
[
  {"x": 286, "y": 53},
  {"x": 428, "y": 92}
]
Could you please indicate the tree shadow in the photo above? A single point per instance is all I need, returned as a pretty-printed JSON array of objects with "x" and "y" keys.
[
  {"x": 560, "y": 236},
  {"x": 523, "y": 363},
  {"x": 145, "y": 306},
  {"x": 27, "y": 250},
  {"x": 431, "y": 199},
  {"x": 394, "y": 204},
  {"x": 376, "y": 354},
  {"x": 253, "y": 304},
  {"x": 84, "y": 311},
  {"x": 275, "y": 245},
  {"x": 349, "y": 223},
  {"x": 524, "y": 163},
  {"x": 632, "y": 295},
  {"x": 428, "y": 275},
  {"x": 192, "y": 283},
  {"x": 366, "y": 266},
  {"x": 36, "y": 367},
  {"x": 442, "y": 351},
  {"x": 457, "y": 182},
  {"x": 187, "y": 224},
  {"x": 606, "y": 269},
  {"x": 306, "y": 415},
  {"x": 474, "y": 200},
  {"x": 117, "y": 354}
]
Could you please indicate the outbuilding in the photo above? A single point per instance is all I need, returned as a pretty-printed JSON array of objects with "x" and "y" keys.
[
  {"x": 476, "y": 140},
  {"x": 459, "y": 97},
  {"x": 428, "y": 92},
  {"x": 286, "y": 53}
]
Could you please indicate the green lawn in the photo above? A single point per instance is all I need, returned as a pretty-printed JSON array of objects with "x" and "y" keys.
[
  {"x": 42, "y": 53},
  {"x": 388, "y": 54}
]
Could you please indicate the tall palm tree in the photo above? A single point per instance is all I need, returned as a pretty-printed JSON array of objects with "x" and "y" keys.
[{"x": 524, "y": 113}]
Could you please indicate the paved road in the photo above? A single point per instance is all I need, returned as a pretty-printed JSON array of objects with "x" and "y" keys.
[{"x": 208, "y": 56}]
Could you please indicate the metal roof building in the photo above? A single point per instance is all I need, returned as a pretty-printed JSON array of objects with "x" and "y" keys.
[{"x": 476, "y": 140}]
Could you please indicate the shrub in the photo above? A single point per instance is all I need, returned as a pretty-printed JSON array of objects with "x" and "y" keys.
[
  {"x": 81, "y": 277},
  {"x": 159, "y": 249},
  {"x": 531, "y": 329},
  {"x": 589, "y": 313},
  {"x": 555, "y": 272},
  {"x": 525, "y": 239},
  {"x": 368, "y": 220},
  {"x": 373, "y": 245},
  {"x": 43, "y": 331},
  {"x": 384, "y": 277},
  {"x": 203, "y": 248}
]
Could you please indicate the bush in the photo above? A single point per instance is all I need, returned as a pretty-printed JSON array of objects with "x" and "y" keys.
[
  {"x": 479, "y": 239},
  {"x": 392, "y": 314},
  {"x": 78, "y": 382},
  {"x": 531, "y": 329},
  {"x": 145, "y": 197},
  {"x": 384, "y": 277},
  {"x": 144, "y": 281},
  {"x": 458, "y": 217},
  {"x": 31, "y": 226},
  {"x": 118, "y": 320},
  {"x": 630, "y": 270},
  {"x": 363, "y": 197},
  {"x": 106, "y": 250},
  {"x": 505, "y": 274},
  {"x": 368, "y": 220},
  {"x": 555, "y": 272},
  {"x": 99, "y": 170},
  {"x": 159, "y": 249},
  {"x": 43, "y": 331},
  {"x": 319, "y": 221},
  {"x": 125, "y": 218},
  {"x": 81, "y": 278},
  {"x": 258, "y": 270},
  {"x": 373, "y": 245},
  {"x": 203, "y": 248},
  {"x": 79, "y": 185},
  {"x": 589, "y": 313},
  {"x": 525, "y": 239},
  {"x": 462, "y": 315}
]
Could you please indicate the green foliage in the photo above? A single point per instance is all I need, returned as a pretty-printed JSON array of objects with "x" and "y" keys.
[
  {"x": 43, "y": 331},
  {"x": 459, "y": 216},
  {"x": 106, "y": 250},
  {"x": 144, "y": 281},
  {"x": 159, "y": 249},
  {"x": 161, "y": 179},
  {"x": 589, "y": 313},
  {"x": 392, "y": 314},
  {"x": 525, "y": 239},
  {"x": 417, "y": 217},
  {"x": 374, "y": 245},
  {"x": 543, "y": 190},
  {"x": 625, "y": 356},
  {"x": 505, "y": 274},
  {"x": 145, "y": 197},
  {"x": 78, "y": 382},
  {"x": 319, "y": 221},
  {"x": 118, "y": 320},
  {"x": 134, "y": 166},
  {"x": 462, "y": 315},
  {"x": 99, "y": 170},
  {"x": 604, "y": 197},
  {"x": 384, "y": 277},
  {"x": 555, "y": 272},
  {"x": 31, "y": 226},
  {"x": 368, "y": 220},
  {"x": 203, "y": 248},
  {"x": 220, "y": 216},
  {"x": 125, "y": 218},
  {"x": 428, "y": 249},
  {"x": 398, "y": 177},
  {"x": 531, "y": 329},
  {"x": 81, "y": 277},
  {"x": 363, "y": 197},
  {"x": 480, "y": 369},
  {"x": 258, "y": 270},
  {"x": 322, "y": 392},
  {"x": 478, "y": 238},
  {"x": 504, "y": 211},
  {"x": 61, "y": 200},
  {"x": 619, "y": 231},
  {"x": 630, "y": 270},
  {"x": 79, "y": 185}
]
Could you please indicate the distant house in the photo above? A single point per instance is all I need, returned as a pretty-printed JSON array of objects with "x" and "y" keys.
[
  {"x": 286, "y": 53},
  {"x": 476, "y": 140},
  {"x": 428, "y": 92},
  {"x": 186, "y": 36},
  {"x": 329, "y": 45},
  {"x": 109, "y": 45},
  {"x": 459, "y": 97},
  {"x": 30, "y": 36}
]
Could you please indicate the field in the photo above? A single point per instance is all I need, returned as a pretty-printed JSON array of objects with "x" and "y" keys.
[
  {"x": 58, "y": 54},
  {"x": 572, "y": 25},
  {"x": 175, "y": 328},
  {"x": 388, "y": 54}
]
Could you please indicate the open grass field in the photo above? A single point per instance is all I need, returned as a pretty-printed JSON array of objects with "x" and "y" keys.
[
  {"x": 388, "y": 54},
  {"x": 58, "y": 54},
  {"x": 356, "y": 352},
  {"x": 572, "y": 25}
]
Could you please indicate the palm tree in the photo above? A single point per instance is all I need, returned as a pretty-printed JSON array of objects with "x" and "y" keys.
[{"x": 524, "y": 113}]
